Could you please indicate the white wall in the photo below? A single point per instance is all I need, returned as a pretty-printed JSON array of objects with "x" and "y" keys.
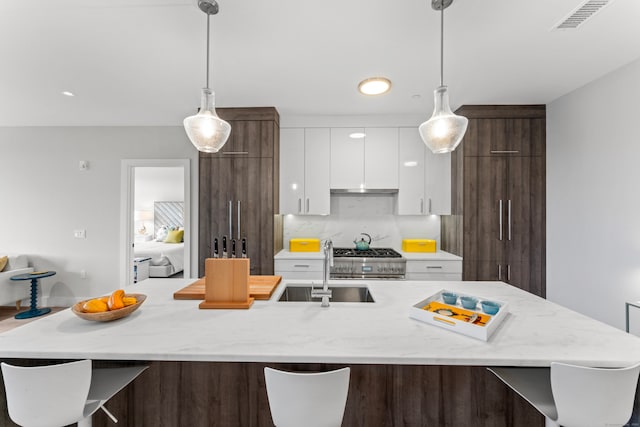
[
  {"x": 45, "y": 197},
  {"x": 593, "y": 202}
]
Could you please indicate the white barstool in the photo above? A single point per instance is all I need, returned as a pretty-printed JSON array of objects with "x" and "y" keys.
[
  {"x": 58, "y": 395},
  {"x": 307, "y": 399},
  {"x": 576, "y": 396}
]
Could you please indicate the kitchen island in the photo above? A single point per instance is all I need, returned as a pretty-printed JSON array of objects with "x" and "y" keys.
[{"x": 207, "y": 364}]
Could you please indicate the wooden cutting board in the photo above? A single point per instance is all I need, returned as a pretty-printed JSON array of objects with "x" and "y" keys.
[{"x": 260, "y": 288}]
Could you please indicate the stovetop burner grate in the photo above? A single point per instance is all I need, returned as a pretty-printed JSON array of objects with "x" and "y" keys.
[{"x": 367, "y": 253}]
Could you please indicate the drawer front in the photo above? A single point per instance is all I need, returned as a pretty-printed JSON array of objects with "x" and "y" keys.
[
  {"x": 299, "y": 265},
  {"x": 455, "y": 277},
  {"x": 434, "y": 267}
]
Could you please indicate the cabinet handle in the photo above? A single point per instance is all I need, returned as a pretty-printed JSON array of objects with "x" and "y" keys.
[
  {"x": 299, "y": 205},
  {"x": 421, "y": 206},
  {"x": 235, "y": 153},
  {"x": 307, "y": 205},
  {"x": 504, "y": 151},
  {"x": 230, "y": 219},
  {"x": 500, "y": 218},
  {"x": 434, "y": 266},
  {"x": 430, "y": 210},
  {"x": 509, "y": 216},
  {"x": 508, "y": 272},
  {"x": 239, "y": 233},
  {"x": 499, "y": 272},
  {"x": 301, "y": 265}
]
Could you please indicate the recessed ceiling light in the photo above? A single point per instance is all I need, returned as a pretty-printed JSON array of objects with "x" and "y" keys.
[
  {"x": 357, "y": 135},
  {"x": 374, "y": 86},
  {"x": 67, "y": 93}
]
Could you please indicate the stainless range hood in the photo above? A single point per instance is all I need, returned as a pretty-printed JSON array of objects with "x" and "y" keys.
[{"x": 364, "y": 190}]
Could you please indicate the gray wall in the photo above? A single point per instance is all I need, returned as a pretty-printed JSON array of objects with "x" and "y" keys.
[
  {"x": 45, "y": 197},
  {"x": 593, "y": 202}
]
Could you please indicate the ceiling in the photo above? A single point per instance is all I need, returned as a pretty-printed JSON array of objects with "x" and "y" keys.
[{"x": 142, "y": 62}]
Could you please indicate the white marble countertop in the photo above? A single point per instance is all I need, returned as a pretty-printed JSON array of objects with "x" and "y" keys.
[
  {"x": 430, "y": 256},
  {"x": 412, "y": 256},
  {"x": 534, "y": 333}
]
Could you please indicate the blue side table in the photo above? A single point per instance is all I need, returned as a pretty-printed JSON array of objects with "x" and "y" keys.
[{"x": 34, "y": 311}]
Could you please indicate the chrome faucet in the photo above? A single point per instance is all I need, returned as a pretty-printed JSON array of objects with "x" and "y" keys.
[{"x": 325, "y": 292}]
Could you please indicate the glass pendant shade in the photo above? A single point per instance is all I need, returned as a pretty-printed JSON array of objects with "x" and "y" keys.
[
  {"x": 443, "y": 132},
  {"x": 207, "y": 131}
]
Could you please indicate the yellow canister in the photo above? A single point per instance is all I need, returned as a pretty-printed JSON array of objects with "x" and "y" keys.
[
  {"x": 418, "y": 245},
  {"x": 304, "y": 245}
]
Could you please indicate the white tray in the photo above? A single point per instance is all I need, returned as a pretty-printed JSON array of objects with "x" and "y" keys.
[{"x": 482, "y": 332}]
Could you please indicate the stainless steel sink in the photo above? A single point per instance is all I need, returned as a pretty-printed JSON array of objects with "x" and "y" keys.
[{"x": 301, "y": 293}]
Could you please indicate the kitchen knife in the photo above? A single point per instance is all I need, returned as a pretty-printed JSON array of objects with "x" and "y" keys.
[
  {"x": 233, "y": 248},
  {"x": 215, "y": 247},
  {"x": 244, "y": 247},
  {"x": 224, "y": 246}
]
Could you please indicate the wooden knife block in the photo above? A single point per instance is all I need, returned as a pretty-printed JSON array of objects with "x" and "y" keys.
[{"x": 226, "y": 283}]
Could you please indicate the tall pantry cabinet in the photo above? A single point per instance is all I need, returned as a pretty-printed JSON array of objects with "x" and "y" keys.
[
  {"x": 498, "y": 196},
  {"x": 239, "y": 189}
]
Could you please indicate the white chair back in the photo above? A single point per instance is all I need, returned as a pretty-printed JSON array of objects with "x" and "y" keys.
[
  {"x": 307, "y": 399},
  {"x": 59, "y": 393},
  {"x": 587, "y": 397}
]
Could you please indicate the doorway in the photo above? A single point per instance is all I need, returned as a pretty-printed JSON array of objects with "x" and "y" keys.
[{"x": 155, "y": 219}]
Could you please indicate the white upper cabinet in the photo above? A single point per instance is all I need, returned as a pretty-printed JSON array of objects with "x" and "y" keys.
[
  {"x": 291, "y": 170},
  {"x": 304, "y": 171},
  {"x": 347, "y": 158},
  {"x": 411, "y": 156},
  {"x": 381, "y": 158},
  {"x": 437, "y": 188},
  {"x": 317, "y": 160},
  {"x": 364, "y": 163},
  {"x": 425, "y": 178}
]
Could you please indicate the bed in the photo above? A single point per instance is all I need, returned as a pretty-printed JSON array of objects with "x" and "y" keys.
[{"x": 167, "y": 259}]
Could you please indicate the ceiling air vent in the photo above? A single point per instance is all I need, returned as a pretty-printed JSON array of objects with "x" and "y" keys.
[{"x": 579, "y": 15}]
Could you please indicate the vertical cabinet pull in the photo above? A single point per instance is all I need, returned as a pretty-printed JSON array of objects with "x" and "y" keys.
[
  {"x": 508, "y": 272},
  {"x": 500, "y": 218},
  {"x": 499, "y": 272},
  {"x": 307, "y": 205},
  {"x": 430, "y": 210},
  {"x": 239, "y": 233},
  {"x": 230, "y": 219},
  {"x": 509, "y": 217},
  {"x": 299, "y": 205}
]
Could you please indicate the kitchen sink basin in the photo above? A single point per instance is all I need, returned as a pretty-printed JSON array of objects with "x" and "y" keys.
[{"x": 302, "y": 293}]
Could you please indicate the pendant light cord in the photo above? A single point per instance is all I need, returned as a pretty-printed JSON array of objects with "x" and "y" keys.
[
  {"x": 442, "y": 43},
  {"x": 208, "y": 19}
]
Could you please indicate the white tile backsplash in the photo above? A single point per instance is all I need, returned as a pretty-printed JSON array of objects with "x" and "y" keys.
[{"x": 352, "y": 214}]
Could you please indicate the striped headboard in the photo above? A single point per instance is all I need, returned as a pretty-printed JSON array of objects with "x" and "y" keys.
[{"x": 170, "y": 214}]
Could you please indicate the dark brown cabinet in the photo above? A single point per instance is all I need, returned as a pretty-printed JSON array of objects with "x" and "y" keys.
[
  {"x": 239, "y": 188},
  {"x": 498, "y": 184}
]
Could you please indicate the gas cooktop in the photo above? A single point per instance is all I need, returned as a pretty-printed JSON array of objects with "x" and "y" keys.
[{"x": 367, "y": 253}]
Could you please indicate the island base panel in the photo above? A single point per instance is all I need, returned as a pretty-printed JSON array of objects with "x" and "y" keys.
[{"x": 234, "y": 394}]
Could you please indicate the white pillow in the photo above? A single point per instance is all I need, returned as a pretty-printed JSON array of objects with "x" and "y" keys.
[{"x": 162, "y": 233}]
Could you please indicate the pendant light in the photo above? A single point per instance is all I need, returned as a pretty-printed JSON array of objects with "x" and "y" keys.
[
  {"x": 444, "y": 130},
  {"x": 206, "y": 130}
]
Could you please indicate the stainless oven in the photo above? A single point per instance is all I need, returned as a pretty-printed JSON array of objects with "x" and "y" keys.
[{"x": 372, "y": 263}]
